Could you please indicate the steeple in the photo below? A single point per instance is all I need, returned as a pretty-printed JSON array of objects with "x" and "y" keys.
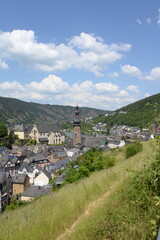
[
  {"x": 76, "y": 127},
  {"x": 76, "y": 120}
]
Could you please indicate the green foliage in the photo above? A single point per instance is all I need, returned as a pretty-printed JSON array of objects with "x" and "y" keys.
[
  {"x": 133, "y": 149},
  {"x": 3, "y": 130},
  {"x": 83, "y": 171},
  {"x": 14, "y": 110},
  {"x": 85, "y": 127},
  {"x": 72, "y": 175},
  {"x": 92, "y": 160},
  {"x": 31, "y": 142},
  {"x": 141, "y": 113},
  {"x": 15, "y": 204}
]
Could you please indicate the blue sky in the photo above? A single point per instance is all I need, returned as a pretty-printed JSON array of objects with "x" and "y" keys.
[{"x": 97, "y": 53}]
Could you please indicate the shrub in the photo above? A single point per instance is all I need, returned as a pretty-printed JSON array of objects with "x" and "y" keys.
[{"x": 131, "y": 150}]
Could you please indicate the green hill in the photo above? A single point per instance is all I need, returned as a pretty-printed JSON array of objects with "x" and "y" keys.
[
  {"x": 16, "y": 111},
  {"x": 141, "y": 113},
  {"x": 115, "y": 203}
]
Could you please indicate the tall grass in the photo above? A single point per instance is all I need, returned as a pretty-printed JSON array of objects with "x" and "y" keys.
[
  {"x": 49, "y": 216},
  {"x": 130, "y": 213}
]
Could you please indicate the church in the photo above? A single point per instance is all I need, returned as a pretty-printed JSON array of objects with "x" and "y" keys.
[{"x": 47, "y": 133}]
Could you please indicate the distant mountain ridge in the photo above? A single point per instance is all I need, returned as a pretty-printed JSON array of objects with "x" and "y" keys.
[{"x": 16, "y": 111}]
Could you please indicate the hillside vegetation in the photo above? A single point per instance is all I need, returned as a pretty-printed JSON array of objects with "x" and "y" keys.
[
  {"x": 141, "y": 113},
  {"x": 92, "y": 208},
  {"x": 15, "y": 111}
]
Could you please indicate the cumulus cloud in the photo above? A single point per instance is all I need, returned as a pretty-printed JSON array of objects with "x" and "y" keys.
[
  {"x": 52, "y": 84},
  {"x": 53, "y": 89},
  {"x": 113, "y": 74},
  {"x": 132, "y": 71},
  {"x": 85, "y": 51},
  {"x": 133, "y": 88},
  {"x": 154, "y": 74}
]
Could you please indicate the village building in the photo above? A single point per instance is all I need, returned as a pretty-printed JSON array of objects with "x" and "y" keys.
[
  {"x": 76, "y": 129},
  {"x": 35, "y": 191},
  {"x": 47, "y": 133},
  {"x": 43, "y": 178},
  {"x": 20, "y": 183}
]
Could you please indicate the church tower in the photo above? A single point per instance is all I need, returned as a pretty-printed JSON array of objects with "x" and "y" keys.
[{"x": 76, "y": 129}]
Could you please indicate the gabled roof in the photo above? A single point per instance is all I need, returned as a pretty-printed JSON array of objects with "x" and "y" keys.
[
  {"x": 36, "y": 191},
  {"x": 46, "y": 128},
  {"x": 47, "y": 173},
  {"x": 27, "y": 166},
  {"x": 19, "y": 178}
]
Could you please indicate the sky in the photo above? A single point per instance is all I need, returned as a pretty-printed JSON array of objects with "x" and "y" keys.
[{"x": 103, "y": 54}]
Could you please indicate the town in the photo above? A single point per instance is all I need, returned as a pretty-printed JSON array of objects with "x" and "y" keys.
[{"x": 30, "y": 171}]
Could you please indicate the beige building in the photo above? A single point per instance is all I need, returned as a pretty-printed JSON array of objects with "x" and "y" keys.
[
  {"x": 43, "y": 178},
  {"x": 20, "y": 183},
  {"x": 20, "y": 130},
  {"x": 47, "y": 133}
]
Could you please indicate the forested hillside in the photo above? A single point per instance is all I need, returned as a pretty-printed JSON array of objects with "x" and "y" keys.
[
  {"x": 16, "y": 111},
  {"x": 141, "y": 113}
]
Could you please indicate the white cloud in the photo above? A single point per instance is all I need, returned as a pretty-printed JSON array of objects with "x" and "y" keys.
[
  {"x": 53, "y": 89},
  {"x": 154, "y": 74},
  {"x": 82, "y": 52},
  {"x": 113, "y": 74},
  {"x": 106, "y": 87},
  {"x": 138, "y": 21},
  {"x": 3, "y": 65},
  {"x": 132, "y": 71},
  {"x": 133, "y": 88},
  {"x": 52, "y": 84}
]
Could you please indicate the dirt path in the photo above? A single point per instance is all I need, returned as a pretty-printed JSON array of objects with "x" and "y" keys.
[{"x": 89, "y": 209}]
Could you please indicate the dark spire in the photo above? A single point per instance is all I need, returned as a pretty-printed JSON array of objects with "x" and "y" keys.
[{"x": 76, "y": 120}]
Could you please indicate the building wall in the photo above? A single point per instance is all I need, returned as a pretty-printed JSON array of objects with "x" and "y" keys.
[
  {"x": 56, "y": 138},
  {"x": 34, "y": 134},
  {"x": 19, "y": 134},
  {"x": 24, "y": 198},
  {"x": 19, "y": 187},
  {"x": 41, "y": 180},
  {"x": 76, "y": 135},
  {"x": 53, "y": 138}
]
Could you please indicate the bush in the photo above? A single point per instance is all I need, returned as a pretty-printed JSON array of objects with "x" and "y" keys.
[
  {"x": 133, "y": 149},
  {"x": 83, "y": 171},
  {"x": 3, "y": 130}
]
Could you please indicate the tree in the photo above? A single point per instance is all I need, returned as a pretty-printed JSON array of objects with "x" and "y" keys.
[{"x": 3, "y": 130}]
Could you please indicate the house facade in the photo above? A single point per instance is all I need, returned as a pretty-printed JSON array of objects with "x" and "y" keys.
[
  {"x": 43, "y": 178},
  {"x": 47, "y": 133},
  {"x": 20, "y": 183}
]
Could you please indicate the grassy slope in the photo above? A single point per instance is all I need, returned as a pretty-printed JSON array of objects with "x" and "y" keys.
[{"x": 49, "y": 216}]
